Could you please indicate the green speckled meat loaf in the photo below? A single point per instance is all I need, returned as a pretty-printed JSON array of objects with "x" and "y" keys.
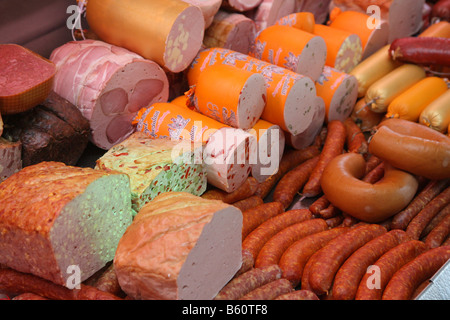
[
  {"x": 155, "y": 166},
  {"x": 55, "y": 218}
]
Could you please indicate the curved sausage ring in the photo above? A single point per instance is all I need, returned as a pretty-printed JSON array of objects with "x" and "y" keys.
[{"x": 342, "y": 185}]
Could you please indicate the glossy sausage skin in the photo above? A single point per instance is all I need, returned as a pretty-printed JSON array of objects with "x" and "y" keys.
[{"x": 342, "y": 184}]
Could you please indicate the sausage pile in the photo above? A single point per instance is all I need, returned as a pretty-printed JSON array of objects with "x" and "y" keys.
[
  {"x": 363, "y": 134},
  {"x": 326, "y": 253}
]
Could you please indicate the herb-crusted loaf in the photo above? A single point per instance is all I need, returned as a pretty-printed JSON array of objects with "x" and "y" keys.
[{"x": 156, "y": 166}]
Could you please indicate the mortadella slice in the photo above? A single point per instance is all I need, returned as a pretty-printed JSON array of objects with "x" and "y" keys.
[
  {"x": 180, "y": 247},
  {"x": 109, "y": 85},
  {"x": 230, "y": 95},
  {"x": 339, "y": 90},
  {"x": 306, "y": 55},
  {"x": 231, "y": 30},
  {"x": 156, "y": 166},
  {"x": 291, "y": 97},
  {"x": 226, "y": 151},
  {"x": 10, "y": 158},
  {"x": 307, "y": 137}
]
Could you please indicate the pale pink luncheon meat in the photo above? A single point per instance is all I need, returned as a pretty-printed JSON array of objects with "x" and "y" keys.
[{"x": 109, "y": 85}]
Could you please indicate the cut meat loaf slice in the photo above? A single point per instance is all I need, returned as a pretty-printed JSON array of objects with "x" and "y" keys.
[
  {"x": 25, "y": 78},
  {"x": 55, "y": 219},
  {"x": 155, "y": 166},
  {"x": 109, "y": 85},
  {"x": 180, "y": 246}
]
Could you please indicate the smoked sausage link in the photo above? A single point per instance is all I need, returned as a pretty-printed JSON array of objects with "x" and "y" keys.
[
  {"x": 330, "y": 258},
  {"x": 341, "y": 183},
  {"x": 405, "y": 281}
]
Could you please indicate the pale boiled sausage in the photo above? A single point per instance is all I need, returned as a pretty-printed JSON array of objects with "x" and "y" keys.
[{"x": 109, "y": 85}]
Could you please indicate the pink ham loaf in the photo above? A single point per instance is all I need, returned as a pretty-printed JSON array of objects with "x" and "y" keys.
[
  {"x": 180, "y": 246},
  {"x": 10, "y": 158},
  {"x": 62, "y": 223},
  {"x": 109, "y": 85},
  {"x": 231, "y": 30},
  {"x": 209, "y": 9}
]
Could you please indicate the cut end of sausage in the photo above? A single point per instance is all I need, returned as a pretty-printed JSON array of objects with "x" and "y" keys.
[
  {"x": 349, "y": 55},
  {"x": 227, "y": 156},
  {"x": 312, "y": 58},
  {"x": 344, "y": 99},
  {"x": 184, "y": 40},
  {"x": 300, "y": 106},
  {"x": 252, "y": 101},
  {"x": 270, "y": 146},
  {"x": 306, "y": 138}
]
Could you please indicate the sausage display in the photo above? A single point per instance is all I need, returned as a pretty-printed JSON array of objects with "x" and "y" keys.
[
  {"x": 237, "y": 150},
  {"x": 291, "y": 97}
]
